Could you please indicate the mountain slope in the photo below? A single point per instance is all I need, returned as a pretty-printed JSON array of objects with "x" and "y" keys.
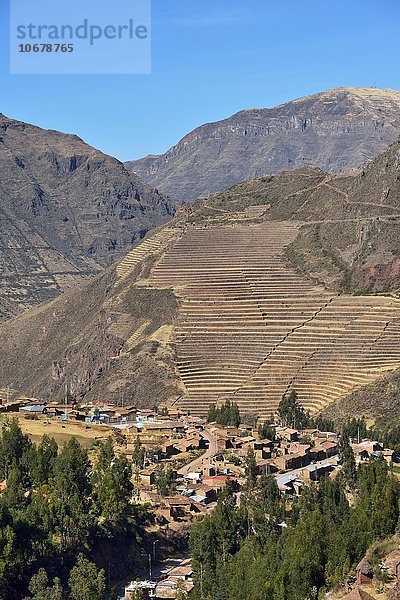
[
  {"x": 336, "y": 131},
  {"x": 66, "y": 212},
  {"x": 349, "y": 238},
  {"x": 226, "y": 302}
]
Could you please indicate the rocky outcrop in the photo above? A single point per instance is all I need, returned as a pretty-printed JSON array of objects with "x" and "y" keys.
[
  {"x": 66, "y": 212},
  {"x": 336, "y": 131}
]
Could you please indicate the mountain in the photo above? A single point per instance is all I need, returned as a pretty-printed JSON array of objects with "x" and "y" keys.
[
  {"x": 246, "y": 295},
  {"x": 66, "y": 212},
  {"x": 348, "y": 240},
  {"x": 336, "y": 131}
]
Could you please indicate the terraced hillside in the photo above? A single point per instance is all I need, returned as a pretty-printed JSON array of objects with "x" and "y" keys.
[
  {"x": 239, "y": 297},
  {"x": 250, "y": 328}
]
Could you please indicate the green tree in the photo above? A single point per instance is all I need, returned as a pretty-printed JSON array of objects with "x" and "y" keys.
[
  {"x": 39, "y": 587},
  {"x": 267, "y": 432},
  {"x": 138, "y": 454},
  {"x": 13, "y": 445},
  {"x": 112, "y": 486},
  {"x": 45, "y": 461},
  {"x": 39, "y": 582},
  {"x": 165, "y": 480},
  {"x": 70, "y": 495},
  {"x": 212, "y": 413},
  {"x": 227, "y": 414},
  {"x": 14, "y": 493},
  {"x": 291, "y": 412},
  {"x": 86, "y": 582}
]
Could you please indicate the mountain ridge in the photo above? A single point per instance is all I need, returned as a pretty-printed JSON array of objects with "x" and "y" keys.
[
  {"x": 67, "y": 211},
  {"x": 337, "y": 130}
]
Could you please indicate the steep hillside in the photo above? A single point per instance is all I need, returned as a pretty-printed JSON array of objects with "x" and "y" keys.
[
  {"x": 106, "y": 339},
  {"x": 66, "y": 212},
  {"x": 335, "y": 131},
  {"x": 378, "y": 402},
  {"x": 349, "y": 240},
  {"x": 227, "y": 301}
]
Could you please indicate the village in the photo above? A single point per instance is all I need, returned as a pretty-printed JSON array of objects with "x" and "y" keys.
[{"x": 181, "y": 463}]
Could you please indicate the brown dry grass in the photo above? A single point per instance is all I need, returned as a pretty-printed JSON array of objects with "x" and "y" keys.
[{"x": 85, "y": 433}]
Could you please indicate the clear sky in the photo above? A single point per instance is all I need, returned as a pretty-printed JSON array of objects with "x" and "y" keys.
[{"x": 212, "y": 58}]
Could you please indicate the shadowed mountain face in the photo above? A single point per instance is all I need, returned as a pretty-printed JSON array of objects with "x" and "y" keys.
[
  {"x": 66, "y": 212},
  {"x": 245, "y": 295},
  {"x": 336, "y": 131}
]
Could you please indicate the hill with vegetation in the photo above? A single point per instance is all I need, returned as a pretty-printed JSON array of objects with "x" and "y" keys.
[
  {"x": 336, "y": 131},
  {"x": 67, "y": 211}
]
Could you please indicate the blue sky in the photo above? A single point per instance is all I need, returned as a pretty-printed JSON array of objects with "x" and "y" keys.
[{"x": 212, "y": 58}]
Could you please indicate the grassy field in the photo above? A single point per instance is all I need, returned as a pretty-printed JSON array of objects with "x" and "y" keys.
[{"x": 85, "y": 433}]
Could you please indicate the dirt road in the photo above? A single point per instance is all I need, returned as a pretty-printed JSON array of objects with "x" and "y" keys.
[{"x": 211, "y": 451}]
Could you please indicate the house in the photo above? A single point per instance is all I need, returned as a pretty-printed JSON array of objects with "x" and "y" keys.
[
  {"x": 323, "y": 450},
  {"x": 202, "y": 493},
  {"x": 164, "y": 427},
  {"x": 289, "y": 462},
  {"x": 126, "y": 414},
  {"x": 193, "y": 477},
  {"x": 388, "y": 455},
  {"x": 145, "y": 415},
  {"x": 316, "y": 471},
  {"x": 243, "y": 442},
  {"x": 178, "y": 506},
  {"x": 167, "y": 589},
  {"x": 208, "y": 470},
  {"x": 217, "y": 482},
  {"x": 265, "y": 467},
  {"x": 195, "y": 435},
  {"x": 77, "y": 415},
  {"x": 224, "y": 443},
  {"x": 364, "y": 572},
  {"x": 176, "y": 413},
  {"x": 187, "y": 445},
  {"x": 295, "y": 448},
  {"x": 106, "y": 415},
  {"x": 310, "y": 433},
  {"x": 148, "y": 477},
  {"x": 289, "y": 484},
  {"x": 168, "y": 448},
  {"x": 264, "y": 447},
  {"x": 366, "y": 447},
  {"x": 287, "y": 433},
  {"x": 143, "y": 589},
  {"x": 184, "y": 572}
]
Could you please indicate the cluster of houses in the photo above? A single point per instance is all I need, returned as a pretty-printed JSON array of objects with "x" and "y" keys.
[
  {"x": 203, "y": 458},
  {"x": 96, "y": 413},
  {"x": 171, "y": 579},
  {"x": 294, "y": 457}
]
